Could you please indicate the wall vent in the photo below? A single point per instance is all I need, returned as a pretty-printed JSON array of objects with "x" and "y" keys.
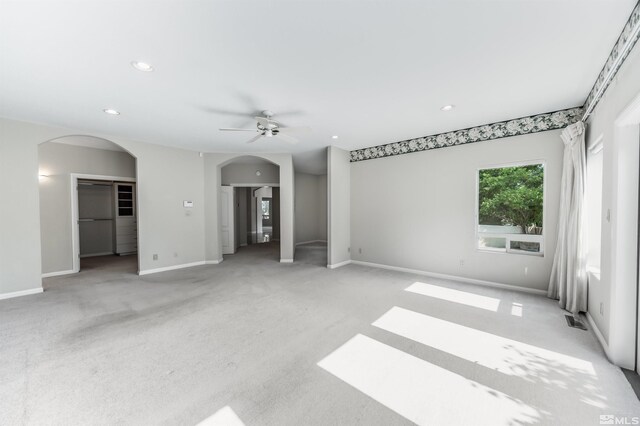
[{"x": 574, "y": 322}]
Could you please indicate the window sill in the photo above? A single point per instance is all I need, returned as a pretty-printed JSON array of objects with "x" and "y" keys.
[{"x": 505, "y": 251}]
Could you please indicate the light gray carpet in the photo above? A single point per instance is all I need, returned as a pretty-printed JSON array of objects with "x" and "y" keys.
[{"x": 294, "y": 344}]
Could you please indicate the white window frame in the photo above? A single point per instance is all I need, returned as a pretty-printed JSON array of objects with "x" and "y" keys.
[{"x": 512, "y": 237}]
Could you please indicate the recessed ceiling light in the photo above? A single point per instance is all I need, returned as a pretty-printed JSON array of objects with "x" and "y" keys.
[
  {"x": 334, "y": 137},
  {"x": 111, "y": 111},
  {"x": 448, "y": 107},
  {"x": 142, "y": 66}
]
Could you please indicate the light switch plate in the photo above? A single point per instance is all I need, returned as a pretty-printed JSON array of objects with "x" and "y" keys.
[{"x": 187, "y": 204}]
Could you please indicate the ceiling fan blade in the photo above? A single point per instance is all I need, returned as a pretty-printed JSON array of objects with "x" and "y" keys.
[
  {"x": 213, "y": 110},
  {"x": 287, "y": 130},
  {"x": 255, "y": 138},
  {"x": 287, "y": 138},
  {"x": 233, "y": 129}
]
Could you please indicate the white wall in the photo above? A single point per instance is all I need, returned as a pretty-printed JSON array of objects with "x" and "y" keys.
[
  {"x": 166, "y": 177},
  {"x": 213, "y": 179},
  {"x": 339, "y": 206},
  {"x": 239, "y": 173},
  {"x": 322, "y": 207},
  {"x": 418, "y": 211},
  {"x": 612, "y": 321},
  {"x": 58, "y": 161},
  {"x": 311, "y": 207}
]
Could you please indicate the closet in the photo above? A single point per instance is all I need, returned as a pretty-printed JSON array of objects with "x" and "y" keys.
[
  {"x": 107, "y": 218},
  {"x": 125, "y": 237}
]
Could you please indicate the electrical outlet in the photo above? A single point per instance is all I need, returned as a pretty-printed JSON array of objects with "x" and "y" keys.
[
  {"x": 349, "y": 249},
  {"x": 155, "y": 257},
  {"x": 462, "y": 263},
  {"x": 360, "y": 250},
  {"x": 175, "y": 254}
]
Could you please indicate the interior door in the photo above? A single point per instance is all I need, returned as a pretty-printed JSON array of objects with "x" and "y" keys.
[{"x": 227, "y": 218}]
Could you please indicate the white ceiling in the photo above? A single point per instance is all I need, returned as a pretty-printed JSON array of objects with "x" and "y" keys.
[{"x": 370, "y": 72}]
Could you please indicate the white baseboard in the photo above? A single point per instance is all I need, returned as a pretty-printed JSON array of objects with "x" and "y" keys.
[
  {"x": 21, "y": 293},
  {"x": 213, "y": 262},
  {"x": 451, "y": 277},
  {"x": 58, "y": 273},
  {"x": 106, "y": 253},
  {"x": 337, "y": 265},
  {"x": 286, "y": 260},
  {"x": 599, "y": 335},
  {"x": 310, "y": 241},
  {"x": 171, "y": 268}
]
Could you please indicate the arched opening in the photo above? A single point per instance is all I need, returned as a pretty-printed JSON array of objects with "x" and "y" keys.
[
  {"x": 250, "y": 207},
  {"x": 88, "y": 206}
]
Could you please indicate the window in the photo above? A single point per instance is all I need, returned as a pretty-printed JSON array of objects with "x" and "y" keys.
[
  {"x": 594, "y": 205},
  {"x": 510, "y": 209},
  {"x": 265, "y": 208}
]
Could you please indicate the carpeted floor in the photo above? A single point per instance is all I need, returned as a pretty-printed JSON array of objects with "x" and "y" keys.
[{"x": 263, "y": 343}]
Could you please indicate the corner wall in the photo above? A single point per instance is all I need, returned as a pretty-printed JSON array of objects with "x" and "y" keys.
[
  {"x": 338, "y": 206},
  {"x": 311, "y": 207},
  {"x": 608, "y": 292},
  {"x": 160, "y": 196},
  {"x": 418, "y": 211}
]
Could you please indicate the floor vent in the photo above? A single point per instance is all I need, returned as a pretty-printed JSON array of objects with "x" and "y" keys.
[{"x": 574, "y": 322}]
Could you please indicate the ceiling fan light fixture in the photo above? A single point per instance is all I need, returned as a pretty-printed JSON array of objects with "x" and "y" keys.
[{"x": 447, "y": 108}]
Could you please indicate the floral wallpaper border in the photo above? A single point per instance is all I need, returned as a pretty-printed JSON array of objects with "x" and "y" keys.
[
  {"x": 622, "y": 48},
  {"x": 502, "y": 129},
  {"x": 520, "y": 126}
]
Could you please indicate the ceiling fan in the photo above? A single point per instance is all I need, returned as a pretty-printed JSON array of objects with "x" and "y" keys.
[{"x": 268, "y": 128}]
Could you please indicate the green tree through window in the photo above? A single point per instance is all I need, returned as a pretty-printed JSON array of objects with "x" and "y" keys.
[{"x": 512, "y": 196}]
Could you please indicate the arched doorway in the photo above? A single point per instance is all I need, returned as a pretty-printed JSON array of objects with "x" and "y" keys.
[
  {"x": 214, "y": 162},
  {"x": 88, "y": 206},
  {"x": 250, "y": 207}
]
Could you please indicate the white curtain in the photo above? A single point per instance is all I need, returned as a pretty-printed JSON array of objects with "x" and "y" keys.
[{"x": 568, "y": 281}]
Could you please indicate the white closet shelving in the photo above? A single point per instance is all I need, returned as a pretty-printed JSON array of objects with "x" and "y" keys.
[{"x": 126, "y": 224}]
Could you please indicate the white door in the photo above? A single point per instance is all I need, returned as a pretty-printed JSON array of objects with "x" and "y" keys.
[{"x": 227, "y": 220}]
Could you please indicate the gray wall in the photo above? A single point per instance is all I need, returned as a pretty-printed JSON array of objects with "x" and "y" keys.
[
  {"x": 160, "y": 196},
  {"x": 58, "y": 161},
  {"x": 418, "y": 210},
  {"x": 339, "y": 205},
  {"x": 311, "y": 207},
  {"x": 235, "y": 173},
  {"x": 623, "y": 89},
  {"x": 322, "y": 207}
]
